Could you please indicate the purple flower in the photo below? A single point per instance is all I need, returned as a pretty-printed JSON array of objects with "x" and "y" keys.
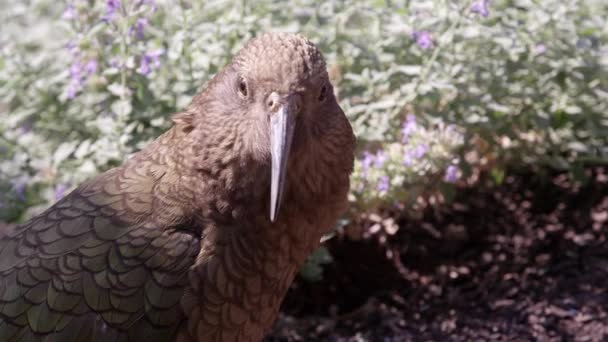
[
  {"x": 139, "y": 27},
  {"x": 149, "y": 61},
  {"x": 423, "y": 39},
  {"x": 114, "y": 63},
  {"x": 380, "y": 159},
  {"x": 409, "y": 127},
  {"x": 383, "y": 184},
  {"x": 78, "y": 74},
  {"x": 540, "y": 49},
  {"x": 420, "y": 151},
  {"x": 19, "y": 189},
  {"x": 408, "y": 159},
  {"x": 481, "y": 7},
  {"x": 368, "y": 160},
  {"x": 76, "y": 79},
  {"x": 91, "y": 66},
  {"x": 144, "y": 66},
  {"x": 24, "y": 127},
  {"x": 76, "y": 70},
  {"x": 73, "y": 88},
  {"x": 72, "y": 48},
  {"x": 60, "y": 191},
  {"x": 69, "y": 13},
  {"x": 451, "y": 174},
  {"x": 111, "y": 7}
]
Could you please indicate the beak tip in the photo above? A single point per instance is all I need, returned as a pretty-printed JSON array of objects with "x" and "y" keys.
[{"x": 273, "y": 210}]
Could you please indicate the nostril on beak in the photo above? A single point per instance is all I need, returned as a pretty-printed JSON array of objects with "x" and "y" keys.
[
  {"x": 273, "y": 102},
  {"x": 298, "y": 104}
]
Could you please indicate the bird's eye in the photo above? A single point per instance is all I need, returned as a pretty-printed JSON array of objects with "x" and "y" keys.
[
  {"x": 242, "y": 87},
  {"x": 323, "y": 93}
]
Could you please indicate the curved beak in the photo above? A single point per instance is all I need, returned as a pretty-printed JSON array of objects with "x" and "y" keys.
[{"x": 282, "y": 125}]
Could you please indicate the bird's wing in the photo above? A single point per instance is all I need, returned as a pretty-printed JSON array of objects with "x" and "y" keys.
[{"x": 110, "y": 258}]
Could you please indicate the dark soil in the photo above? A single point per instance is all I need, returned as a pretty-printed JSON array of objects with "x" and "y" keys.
[{"x": 523, "y": 261}]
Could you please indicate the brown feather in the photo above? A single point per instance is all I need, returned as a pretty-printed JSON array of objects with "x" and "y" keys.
[{"x": 177, "y": 244}]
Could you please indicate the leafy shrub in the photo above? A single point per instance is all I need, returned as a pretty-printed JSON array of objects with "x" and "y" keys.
[{"x": 485, "y": 85}]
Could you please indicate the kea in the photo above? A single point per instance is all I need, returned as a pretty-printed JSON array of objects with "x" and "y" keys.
[{"x": 198, "y": 236}]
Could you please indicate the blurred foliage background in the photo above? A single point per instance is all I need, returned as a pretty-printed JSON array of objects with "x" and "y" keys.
[{"x": 439, "y": 92}]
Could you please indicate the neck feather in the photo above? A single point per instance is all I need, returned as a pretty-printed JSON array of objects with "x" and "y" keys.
[{"x": 246, "y": 264}]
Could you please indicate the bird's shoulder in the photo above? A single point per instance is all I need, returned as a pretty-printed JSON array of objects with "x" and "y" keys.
[{"x": 111, "y": 255}]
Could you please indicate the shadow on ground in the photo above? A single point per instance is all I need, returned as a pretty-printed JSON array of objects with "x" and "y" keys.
[{"x": 524, "y": 261}]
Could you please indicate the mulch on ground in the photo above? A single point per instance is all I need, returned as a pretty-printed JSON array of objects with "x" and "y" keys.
[{"x": 523, "y": 261}]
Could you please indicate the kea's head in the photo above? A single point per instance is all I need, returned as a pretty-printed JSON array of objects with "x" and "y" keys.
[{"x": 273, "y": 99}]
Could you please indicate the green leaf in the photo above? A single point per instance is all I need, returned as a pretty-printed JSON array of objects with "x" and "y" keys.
[
  {"x": 118, "y": 90},
  {"x": 122, "y": 108},
  {"x": 498, "y": 175},
  {"x": 312, "y": 269},
  {"x": 62, "y": 152}
]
